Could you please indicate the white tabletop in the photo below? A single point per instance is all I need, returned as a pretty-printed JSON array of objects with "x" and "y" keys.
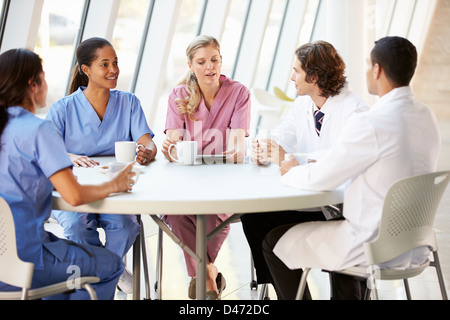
[{"x": 170, "y": 188}]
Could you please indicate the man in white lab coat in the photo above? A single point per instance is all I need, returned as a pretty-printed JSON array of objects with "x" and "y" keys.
[
  {"x": 319, "y": 77},
  {"x": 397, "y": 138}
]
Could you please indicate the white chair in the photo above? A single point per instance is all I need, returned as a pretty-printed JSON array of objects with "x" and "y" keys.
[
  {"x": 407, "y": 223},
  {"x": 16, "y": 272},
  {"x": 269, "y": 107}
]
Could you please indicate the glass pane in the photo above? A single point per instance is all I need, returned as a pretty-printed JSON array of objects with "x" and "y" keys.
[
  {"x": 383, "y": 15},
  {"x": 319, "y": 31},
  {"x": 306, "y": 31},
  {"x": 232, "y": 34},
  {"x": 308, "y": 22},
  {"x": 186, "y": 29},
  {"x": 187, "y": 24},
  {"x": 269, "y": 44},
  {"x": 127, "y": 37},
  {"x": 401, "y": 18},
  {"x": 1, "y": 17},
  {"x": 418, "y": 21},
  {"x": 60, "y": 23}
]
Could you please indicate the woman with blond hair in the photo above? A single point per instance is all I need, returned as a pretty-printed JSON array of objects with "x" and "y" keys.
[{"x": 213, "y": 110}]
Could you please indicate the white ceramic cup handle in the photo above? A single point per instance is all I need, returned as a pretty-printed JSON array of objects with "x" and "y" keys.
[
  {"x": 137, "y": 147},
  {"x": 170, "y": 154}
]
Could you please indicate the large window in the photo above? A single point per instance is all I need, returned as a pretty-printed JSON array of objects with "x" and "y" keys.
[
  {"x": 60, "y": 22},
  {"x": 306, "y": 31},
  {"x": 127, "y": 37},
  {"x": 2, "y": 20},
  {"x": 269, "y": 44},
  {"x": 232, "y": 33},
  {"x": 245, "y": 24},
  {"x": 186, "y": 30}
]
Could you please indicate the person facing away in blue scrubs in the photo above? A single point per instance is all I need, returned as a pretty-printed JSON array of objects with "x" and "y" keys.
[
  {"x": 91, "y": 119},
  {"x": 33, "y": 162}
]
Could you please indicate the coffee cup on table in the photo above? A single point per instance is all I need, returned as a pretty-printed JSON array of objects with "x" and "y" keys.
[
  {"x": 115, "y": 168},
  {"x": 186, "y": 152},
  {"x": 125, "y": 151}
]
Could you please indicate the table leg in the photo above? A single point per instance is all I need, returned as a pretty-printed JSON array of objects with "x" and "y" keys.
[
  {"x": 137, "y": 265},
  {"x": 201, "y": 252},
  {"x": 145, "y": 263}
]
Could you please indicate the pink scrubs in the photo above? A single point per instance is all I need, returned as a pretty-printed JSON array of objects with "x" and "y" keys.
[{"x": 211, "y": 128}]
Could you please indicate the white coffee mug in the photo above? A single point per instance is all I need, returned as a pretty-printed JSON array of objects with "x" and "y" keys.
[
  {"x": 125, "y": 151},
  {"x": 115, "y": 168},
  {"x": 186, "y": 152}
]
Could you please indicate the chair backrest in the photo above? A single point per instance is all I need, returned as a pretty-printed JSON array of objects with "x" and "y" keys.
[
  {"x": 13, "y": 270},
  {"x": 408, "y": 216},
  {"x": 266, "y": 99},
  {"x": 281, "y": 95}
]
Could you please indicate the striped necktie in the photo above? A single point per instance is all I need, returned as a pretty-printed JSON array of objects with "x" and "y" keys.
[{"x": 318, "y": 117}]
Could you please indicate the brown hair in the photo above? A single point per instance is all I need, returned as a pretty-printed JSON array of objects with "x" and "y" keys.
[
  {"x": 322, "y": 62},
  {"x": 17, "y": 68}
]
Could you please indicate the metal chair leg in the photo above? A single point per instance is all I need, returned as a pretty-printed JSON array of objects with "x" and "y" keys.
[
  {"x": 159, "y": 262},
  {"x": 302, "y": 285},
  {"x": 253, "y": 283},
  {"x": 264, "y": 294},
  {"x": 90, "y": 290},
  {"x": 437, "y": 265},
  {"x": 407, "y": 290}
]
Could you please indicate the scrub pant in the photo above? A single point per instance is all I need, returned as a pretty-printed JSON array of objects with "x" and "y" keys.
[
  {"x": 64, "y": 260},
  {"x": 185, "y": 228},
  {"x": 120, "y": 230}
]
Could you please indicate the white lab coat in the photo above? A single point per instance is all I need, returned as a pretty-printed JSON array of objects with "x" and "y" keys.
[
  {"x": 297, "y": 132},
  {"x": 397, "y": 138}
]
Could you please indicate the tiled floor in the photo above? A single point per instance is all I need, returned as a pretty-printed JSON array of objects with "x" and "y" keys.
[{"x": 234, "y": 260}]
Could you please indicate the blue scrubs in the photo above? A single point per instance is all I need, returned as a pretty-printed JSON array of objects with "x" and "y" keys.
[
  {"x": 31, "y": 152},
  {"x": 85, "y": 134}
]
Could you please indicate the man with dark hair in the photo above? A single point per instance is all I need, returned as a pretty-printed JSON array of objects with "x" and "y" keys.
[
  {"x": 311, "y": 126},
  {"x": 397, "y": 57},
  {"x": 396, "y": 139}
]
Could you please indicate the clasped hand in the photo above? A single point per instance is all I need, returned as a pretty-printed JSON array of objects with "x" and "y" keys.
[
  {"x": 267, "y": 150},
  {"x": 145, "y": 155}
]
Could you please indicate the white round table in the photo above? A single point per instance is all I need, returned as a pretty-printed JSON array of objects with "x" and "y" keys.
[{"x": 201, "y": 189}]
